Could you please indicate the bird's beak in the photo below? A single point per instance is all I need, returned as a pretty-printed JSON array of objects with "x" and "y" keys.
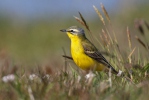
[{"x": 63, "y": 30}]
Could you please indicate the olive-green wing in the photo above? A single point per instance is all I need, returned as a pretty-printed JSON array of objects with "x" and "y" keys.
[{"x": 91, "y": 51}]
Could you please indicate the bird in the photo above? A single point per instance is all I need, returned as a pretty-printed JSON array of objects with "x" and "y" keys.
[{"x": 85, "y": 55}]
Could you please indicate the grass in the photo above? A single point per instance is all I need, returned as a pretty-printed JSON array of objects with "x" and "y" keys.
[{"x": 44, "y": 83}]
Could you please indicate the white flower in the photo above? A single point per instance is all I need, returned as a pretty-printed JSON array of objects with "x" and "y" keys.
[
  {"x": 8, "y": 78},
  {"x": 33, "y": 76},
  {"x": 47, "y": 76}
]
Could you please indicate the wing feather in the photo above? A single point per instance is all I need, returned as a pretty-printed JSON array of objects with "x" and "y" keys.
[{"x": 91, "y": 51}]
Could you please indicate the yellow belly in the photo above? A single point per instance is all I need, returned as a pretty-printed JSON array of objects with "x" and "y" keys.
[{"x": 82, "y": 60}]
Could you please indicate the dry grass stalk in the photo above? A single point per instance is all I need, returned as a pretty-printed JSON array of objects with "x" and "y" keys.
[
  {"x": 102, "y": 40},
  {"x": 102, "y": 20},
  {"x": 105, "y": 12},
  {"x": 30, "y": 93},
  {"x": 129, "y": 38},
  {"x": 108, "y": 18},
  {"x": 129, "y": 57},
  {"x": 110, "y": 80},
  {"x": 82, "y": 21},
  {"x": 85, "y": 24},
  {"x": 141, "y": 42},
  {"x": 105, "y": 35},
  {"x": 106, "y": 38},
  {"x": 138, "y": 25},
  {"x": 79, "y": 20},
  {"x": 146, "y": 24},
  {"x": 99, "y": 14},
  {"x": 65, "y": 68},
  {"x": 68, "y": 57}
]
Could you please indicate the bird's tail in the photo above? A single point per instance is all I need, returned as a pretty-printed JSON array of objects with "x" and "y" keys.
[{"x": 118, "y": 73}]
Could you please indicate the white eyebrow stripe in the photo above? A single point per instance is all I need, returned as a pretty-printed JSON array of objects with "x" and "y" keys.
[{"x": 75, "y": 30}]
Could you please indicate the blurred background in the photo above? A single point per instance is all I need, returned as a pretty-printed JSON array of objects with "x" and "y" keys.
[{"x": 29, "y": 30}]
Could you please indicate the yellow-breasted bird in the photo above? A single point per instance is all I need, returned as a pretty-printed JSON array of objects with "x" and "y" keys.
[{"x": 84, "y": 53}]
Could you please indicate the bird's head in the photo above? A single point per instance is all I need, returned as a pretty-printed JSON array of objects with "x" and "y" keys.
[{"x": 74, "y": 31}]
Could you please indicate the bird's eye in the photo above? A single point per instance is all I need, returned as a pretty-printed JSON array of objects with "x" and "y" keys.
[{"x": 71, "y": 31}]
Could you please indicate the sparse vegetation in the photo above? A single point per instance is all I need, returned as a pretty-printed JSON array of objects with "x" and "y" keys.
[{"x": 66, "y": 82}]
